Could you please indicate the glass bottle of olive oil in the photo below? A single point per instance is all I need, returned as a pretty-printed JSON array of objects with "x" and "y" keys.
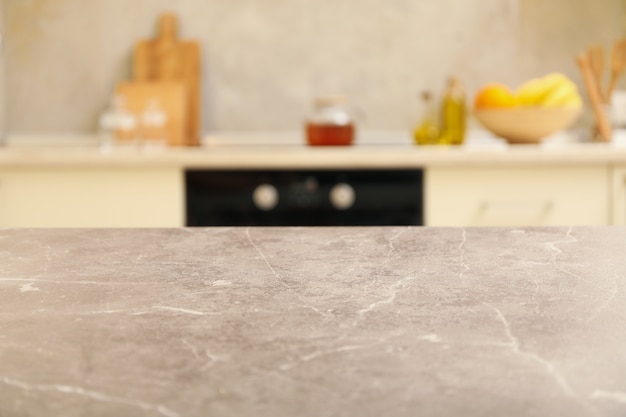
[
  {"x": 453, "y": 113},
  {"x": 427, "y": 130}
]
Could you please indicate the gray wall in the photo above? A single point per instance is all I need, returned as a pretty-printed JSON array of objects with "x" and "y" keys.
[{"x": 264, "y": 60}]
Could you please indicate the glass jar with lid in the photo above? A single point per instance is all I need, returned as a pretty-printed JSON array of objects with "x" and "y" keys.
[
  {"x": 117, "y": 123},
  {"x": 331, "y": 123}
]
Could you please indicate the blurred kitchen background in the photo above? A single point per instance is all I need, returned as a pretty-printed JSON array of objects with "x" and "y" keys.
[{"x": 265, "y": 60}]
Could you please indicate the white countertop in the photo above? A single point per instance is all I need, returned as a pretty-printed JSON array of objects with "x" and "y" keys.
[{"x": 285, "y": 150}]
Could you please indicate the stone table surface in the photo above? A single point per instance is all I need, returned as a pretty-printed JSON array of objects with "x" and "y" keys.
[{"x": 379, "y": 321}]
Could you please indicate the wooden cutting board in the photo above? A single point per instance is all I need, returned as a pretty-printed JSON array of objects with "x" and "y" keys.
[
  {"x": 171, "y": 97},
  {"x": 167, "y": 58}
]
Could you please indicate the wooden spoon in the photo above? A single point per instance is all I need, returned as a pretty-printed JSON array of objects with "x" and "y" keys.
[
  {"x": 618, "y": 65},
  {"x": 595, "y": 97},
  {"x": 595, "y": 54}
]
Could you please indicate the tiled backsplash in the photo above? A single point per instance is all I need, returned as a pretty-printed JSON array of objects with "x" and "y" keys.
[{"x": 264, "y": 60}]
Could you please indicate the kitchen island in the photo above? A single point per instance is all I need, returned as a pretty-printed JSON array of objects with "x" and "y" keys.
[{"x": 393, "y": 321}]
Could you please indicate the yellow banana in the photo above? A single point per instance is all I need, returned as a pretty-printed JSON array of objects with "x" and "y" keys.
[
  {"x": 565, "y": 95},
  {"x": 528, "y": 92},
  {"x": 553, "y": 90},
  {"x": 551, "y": 84}
]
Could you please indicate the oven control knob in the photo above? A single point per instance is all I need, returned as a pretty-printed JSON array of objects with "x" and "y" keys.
[
  {"x": 342, "y": 196},
  {"x": 265, "y": 197}
]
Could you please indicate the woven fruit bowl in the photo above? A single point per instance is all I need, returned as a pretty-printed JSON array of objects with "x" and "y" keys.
[{"x": 519, "y": 125}]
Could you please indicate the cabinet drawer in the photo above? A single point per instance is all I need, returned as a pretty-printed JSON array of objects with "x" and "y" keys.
[
  {"x": 91, "y": 197},
  {"x": 517, "y": 196}
]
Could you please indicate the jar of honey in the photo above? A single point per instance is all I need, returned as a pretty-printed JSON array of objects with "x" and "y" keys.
[{"x": 331, "y": 123}]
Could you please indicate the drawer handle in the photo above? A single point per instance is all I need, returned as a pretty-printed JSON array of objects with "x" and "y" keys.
[{"x": 516, "y": 207}]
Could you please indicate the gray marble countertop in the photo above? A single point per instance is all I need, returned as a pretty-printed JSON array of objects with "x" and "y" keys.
[{"x": 381, "y": 321}]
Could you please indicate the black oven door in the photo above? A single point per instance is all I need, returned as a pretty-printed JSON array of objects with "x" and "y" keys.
[{"x": 303, "y": 197}]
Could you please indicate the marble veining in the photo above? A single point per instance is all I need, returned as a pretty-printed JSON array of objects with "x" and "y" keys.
[{"x": 368, "y": 321}]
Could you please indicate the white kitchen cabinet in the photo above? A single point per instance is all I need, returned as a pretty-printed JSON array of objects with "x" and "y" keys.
[
  {"x": 618, "y": 192},
  {"x": 519, "y": 196},
  {"x": 91, "y": 197}
]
